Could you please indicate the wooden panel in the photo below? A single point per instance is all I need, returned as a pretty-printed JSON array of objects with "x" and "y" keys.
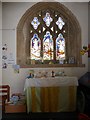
[{"x": 15, "y": 108}]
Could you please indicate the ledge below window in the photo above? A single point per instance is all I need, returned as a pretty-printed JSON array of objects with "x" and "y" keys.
[{"x": 51, "y": 65}]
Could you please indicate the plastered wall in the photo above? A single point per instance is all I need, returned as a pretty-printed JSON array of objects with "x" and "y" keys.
[
  {"x": 0, "y": 51},
  {"x": 0, "y": 42}
]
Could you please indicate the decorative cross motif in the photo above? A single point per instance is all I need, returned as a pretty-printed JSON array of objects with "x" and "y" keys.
[
  {"x": 60, "y": 23},
  {"x": 35, "y": 23}
]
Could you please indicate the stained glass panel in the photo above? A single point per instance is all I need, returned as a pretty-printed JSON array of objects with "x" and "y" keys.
[
  {"x": 35, "y": 47},
  {"x": 35, "y": 23},
  {"x": 60, "y": 23},
  {"x": 52, "y": 29},
  {"x": 48, "y": 46},
  {"x": 60, "y": 47},
  {"x": 44, "y": 29},
  {"x": 47, "y": 19}
]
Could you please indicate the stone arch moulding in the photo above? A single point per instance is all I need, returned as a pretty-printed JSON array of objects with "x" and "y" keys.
[{"x": 23, "y": 29}]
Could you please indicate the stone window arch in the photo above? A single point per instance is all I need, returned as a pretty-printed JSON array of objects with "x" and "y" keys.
[{"x": 72, "y": 32}]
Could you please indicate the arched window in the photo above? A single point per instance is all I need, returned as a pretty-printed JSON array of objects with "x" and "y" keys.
[{"x": 48, "y": 32}]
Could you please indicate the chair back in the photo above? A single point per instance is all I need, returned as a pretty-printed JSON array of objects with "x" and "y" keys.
[{"x": 4, "y": 95}]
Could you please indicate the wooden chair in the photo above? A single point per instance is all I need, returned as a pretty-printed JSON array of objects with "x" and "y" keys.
[{"x": 4, "y": 95}]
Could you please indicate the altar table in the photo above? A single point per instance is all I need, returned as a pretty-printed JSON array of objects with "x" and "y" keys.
[{"x": 51, "y": 94}]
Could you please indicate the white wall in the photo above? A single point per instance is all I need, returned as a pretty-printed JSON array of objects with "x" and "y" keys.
[
  {"x": 0, "y": 52},
  {"x": 11, "y": 14},
  {"x": 0, "y": 42}
]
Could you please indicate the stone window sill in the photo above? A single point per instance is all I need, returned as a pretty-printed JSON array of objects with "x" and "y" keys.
[{"x": 51, "y": 65}]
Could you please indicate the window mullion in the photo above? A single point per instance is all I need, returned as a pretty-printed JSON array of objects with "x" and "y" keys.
[
  {"x": 42, "y": 47},
  {"x": 54, "y": 46}
]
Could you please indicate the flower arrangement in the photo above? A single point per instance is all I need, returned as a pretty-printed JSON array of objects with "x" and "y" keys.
[{"x": 85, "y": 49}]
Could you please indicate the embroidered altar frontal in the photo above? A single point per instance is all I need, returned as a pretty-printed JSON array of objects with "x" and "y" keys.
[{"x": 51, "y": 99}]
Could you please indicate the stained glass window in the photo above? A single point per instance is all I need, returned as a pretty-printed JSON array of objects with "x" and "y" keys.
[
  {"x": 60, "y": 47},
  {"x": 47, "y": 19},
  {"x": 35, "y": 23},
  {"x": 48, "y": 46},
  {"x": 35, "y": 47},
  {"x": 60, "y": 23}
]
